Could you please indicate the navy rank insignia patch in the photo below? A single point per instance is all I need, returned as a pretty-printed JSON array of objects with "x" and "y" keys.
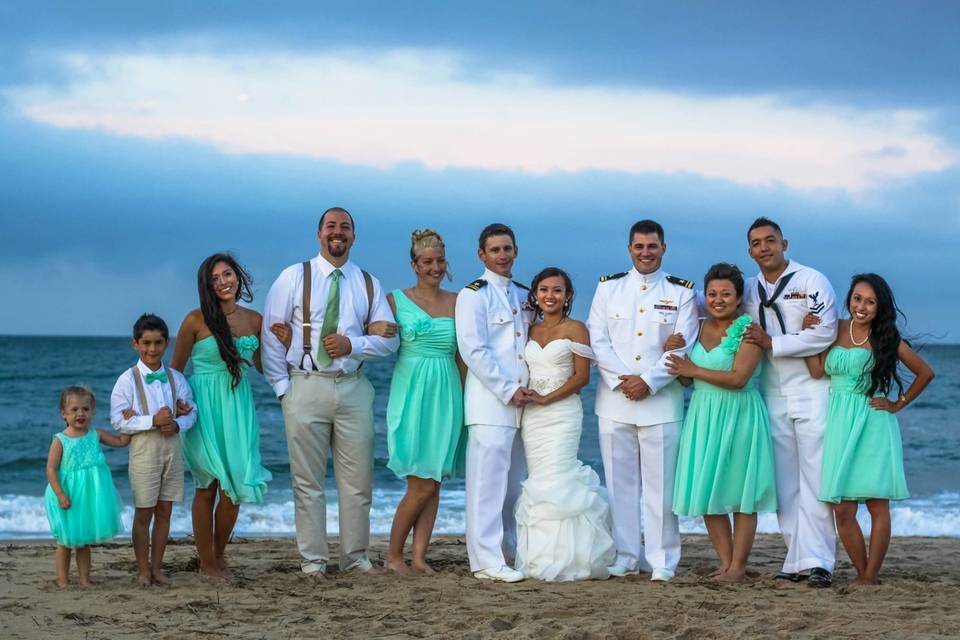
[
  {"x": 613, "y": 276},
  {"x": 688, "y": 284},
  {"x": 521, "y": 286},
  {"x": 476, "y": 285}
]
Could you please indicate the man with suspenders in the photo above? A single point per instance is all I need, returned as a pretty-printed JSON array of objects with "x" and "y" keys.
[{"x": 327, "y": 402}]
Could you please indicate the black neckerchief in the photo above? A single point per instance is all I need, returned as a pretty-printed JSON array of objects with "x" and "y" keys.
[{"x": 771, "y": 303}]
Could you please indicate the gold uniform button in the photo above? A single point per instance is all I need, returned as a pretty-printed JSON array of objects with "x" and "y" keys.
[
  {"x": 520, "y": 356},
  {"x": 639, "y": 333},
  {"x": 518, "y": 334},
  {"x": 514, "y": 312},
  {"x": 636, "y": 357},
  {"x": 643, "y": 287},
  {"x": 642, "y": 309}
]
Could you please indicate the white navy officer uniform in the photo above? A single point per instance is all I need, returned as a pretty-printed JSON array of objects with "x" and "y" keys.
[
  {"x": 492, "y": 321},
  {"x": 797, "y": 406},
  {"x": 631, "y": 317}
]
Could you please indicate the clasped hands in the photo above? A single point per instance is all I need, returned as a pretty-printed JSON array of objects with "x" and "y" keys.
[
  {"x": 524, "y": 396},
  {"x": 164, "y": 419}
]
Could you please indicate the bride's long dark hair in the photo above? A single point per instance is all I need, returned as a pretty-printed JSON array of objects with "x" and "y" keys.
[
  {"x": 884, "y": 335},
  {"x": 213, "y": 315}
]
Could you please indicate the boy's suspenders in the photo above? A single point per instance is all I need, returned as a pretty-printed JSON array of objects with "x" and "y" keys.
[
  {"x": 305, "y": 307},
  {"x": 142, "y": 393}
]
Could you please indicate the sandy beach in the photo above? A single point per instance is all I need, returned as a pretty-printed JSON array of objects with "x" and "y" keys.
[{"x": 270, "y": 598}]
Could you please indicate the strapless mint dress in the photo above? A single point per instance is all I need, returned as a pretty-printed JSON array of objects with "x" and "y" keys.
[
  {"x": 94, "y": 513},
  {"x": 725, "y": 463},
  {"x": 862, "y": 451},
  {"x": 224, "y": 444},
  {"x": 425, "y": 435}
]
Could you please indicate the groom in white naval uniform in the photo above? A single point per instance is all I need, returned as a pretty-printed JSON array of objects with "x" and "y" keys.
[
  {"x": 492, "y": 320},
  {"x": 778, "y": 298},
  {"x": 640, "y": 405}
]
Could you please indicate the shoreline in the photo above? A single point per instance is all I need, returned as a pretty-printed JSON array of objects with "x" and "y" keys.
[{"x": 269, "y": 597}]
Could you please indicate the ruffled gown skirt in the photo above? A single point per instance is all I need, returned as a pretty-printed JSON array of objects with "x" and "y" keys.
[{"x": 563, "y": 518}]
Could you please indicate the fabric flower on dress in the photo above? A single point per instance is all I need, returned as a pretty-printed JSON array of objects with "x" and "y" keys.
[
  {"x": 731, "y": 342},
  {"x": 410, "y": 331}
]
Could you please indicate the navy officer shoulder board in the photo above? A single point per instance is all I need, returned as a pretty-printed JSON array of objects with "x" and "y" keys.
[
  {"x": 686, "y": 284},
  {"x": 613, "y": 276}
]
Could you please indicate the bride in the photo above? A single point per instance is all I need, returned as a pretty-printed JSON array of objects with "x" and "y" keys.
[{"x": 563, "y": 519}]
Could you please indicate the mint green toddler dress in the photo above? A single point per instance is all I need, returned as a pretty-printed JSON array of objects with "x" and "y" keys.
[
  {"x": 862, "y": 451},
  {"x": 94, "y": 513},
  {"x": 725, "y": 464},
  {"x": 425, "y": 435},
  {"x": 224, "y": 443}
]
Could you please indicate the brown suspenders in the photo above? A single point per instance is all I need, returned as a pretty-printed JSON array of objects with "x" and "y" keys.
[
  {"x": 305, "y": 310},
  {"x": 142, "y": 393}
]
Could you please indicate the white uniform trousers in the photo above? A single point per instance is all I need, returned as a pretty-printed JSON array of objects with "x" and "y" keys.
[
  {"x": 495, "y": 468},
  {"x": 797, "y": 424},
  {"x": 642, "y": 462}
]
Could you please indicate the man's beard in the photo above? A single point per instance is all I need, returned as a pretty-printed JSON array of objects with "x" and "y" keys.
[{"x": 337, "y": 252}]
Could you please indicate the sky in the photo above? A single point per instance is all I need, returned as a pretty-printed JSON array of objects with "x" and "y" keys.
[{"x": 136, "y": 139}]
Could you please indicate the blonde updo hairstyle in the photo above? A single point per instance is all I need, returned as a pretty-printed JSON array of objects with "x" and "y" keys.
[{"x": 422, "y": 239}]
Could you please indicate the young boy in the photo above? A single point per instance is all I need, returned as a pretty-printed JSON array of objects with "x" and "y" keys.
[{"x": 153, "y": 403}]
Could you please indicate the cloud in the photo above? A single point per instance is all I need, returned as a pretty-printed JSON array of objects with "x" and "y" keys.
[{"x": 381, "y": 109}]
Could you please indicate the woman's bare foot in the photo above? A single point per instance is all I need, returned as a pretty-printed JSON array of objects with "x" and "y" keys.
[
  {"x": 719, "y": 571},
  {"x": 732, "y": 575},
  {"x": 212, "y": 573},
  {"x": 421, "y": 566},
  {"x": 85, "y": 583},
  {"x": 864, "y": 581},
  {"x": 144, "y": 580},
  {"x": 62, "y": 585},
  {"x": 398, "y": 566},
  {"x": 160, "y": 579},
  {"x": 224, "y": 569}
]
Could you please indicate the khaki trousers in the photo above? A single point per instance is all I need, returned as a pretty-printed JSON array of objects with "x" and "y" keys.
[{"x": 324, "y": 413}]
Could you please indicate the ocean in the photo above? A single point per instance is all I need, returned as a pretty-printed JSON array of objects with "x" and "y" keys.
[{"x": 33, "y": 370}]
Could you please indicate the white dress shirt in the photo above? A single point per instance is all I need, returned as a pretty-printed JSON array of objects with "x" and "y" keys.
[
  {"x": 808, "y": 290},
  {"x": 284, "y": 304},
  {"x": 158, "y": 395},
  {"x": 492, "y": 324},
  {"x": 630, "y": 319}
]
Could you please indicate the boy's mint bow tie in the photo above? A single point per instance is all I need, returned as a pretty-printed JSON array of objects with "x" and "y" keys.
[{"x": 159, "y": 375}]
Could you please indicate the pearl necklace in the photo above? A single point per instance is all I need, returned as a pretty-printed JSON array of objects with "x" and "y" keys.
[{"x": 854, "y": 341}]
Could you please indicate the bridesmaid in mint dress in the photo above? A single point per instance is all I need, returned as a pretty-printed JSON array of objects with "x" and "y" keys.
[
  {"x": 862, "y": 452},
  {"x": 725, "y": 462},
  {"x": 425, "y": 435},
  {"x": 223, "y": 449}
]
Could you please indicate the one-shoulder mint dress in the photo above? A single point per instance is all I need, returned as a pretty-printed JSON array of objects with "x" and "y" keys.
[
  {"x": 862, "y": 451},
  {"x": 94, "y": 513},
  {"x": 224, "y": 444},
  {"x": 425, "y": 435},
  {"x": 725, "y": 464}
]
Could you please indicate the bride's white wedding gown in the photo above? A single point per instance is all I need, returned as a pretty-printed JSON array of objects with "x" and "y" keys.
[{"x": 563, "y": 519}]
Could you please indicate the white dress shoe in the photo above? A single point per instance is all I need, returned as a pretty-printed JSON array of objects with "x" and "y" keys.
[
  {"x": 661, "y": 575},
  {"x": 500, "y": 574},
  {"x": 619, "y": 571}
]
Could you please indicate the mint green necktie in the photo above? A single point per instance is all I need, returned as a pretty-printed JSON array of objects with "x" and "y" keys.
[
  {"x": 156, "y": 375},
  {"x": 331, "y": 318}
]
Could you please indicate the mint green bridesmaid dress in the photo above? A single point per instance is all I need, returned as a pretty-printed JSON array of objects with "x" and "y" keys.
[
  {"x": 425, "y": 435},
  {"x": 725, "y": 464},
  {"x": 94, "y": 513},
  {"x": 862, "y": 452},
  {"x": 224, "y": 444}
]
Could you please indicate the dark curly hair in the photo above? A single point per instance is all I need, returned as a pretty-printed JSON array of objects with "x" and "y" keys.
[
  {"x": 551, "y": 272},
  {"x": 725, "y": 271},
  {"x": 884, "y": 335},
  {"x": 213, "y": 315}
]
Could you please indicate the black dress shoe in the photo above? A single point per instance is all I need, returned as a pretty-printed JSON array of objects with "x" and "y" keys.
[
  {"x": 819, "y": 578},
  {"x": 792, "y": 577}
]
